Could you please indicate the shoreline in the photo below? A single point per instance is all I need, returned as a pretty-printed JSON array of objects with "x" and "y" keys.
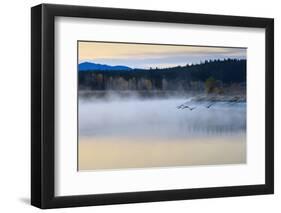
[{"x": 144, "y": 94}]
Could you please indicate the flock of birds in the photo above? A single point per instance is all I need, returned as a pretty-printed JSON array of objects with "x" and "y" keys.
[{"x": 210, "y": 104}]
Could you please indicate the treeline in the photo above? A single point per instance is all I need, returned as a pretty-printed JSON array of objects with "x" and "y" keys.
[{"x": 221, "y": 73}]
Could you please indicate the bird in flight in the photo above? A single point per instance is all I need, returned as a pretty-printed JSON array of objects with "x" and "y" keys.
[
  {"x": 184, "y": 106},
  {"x": 210, "y": 105},
  {"x": 190, "y": 108}
]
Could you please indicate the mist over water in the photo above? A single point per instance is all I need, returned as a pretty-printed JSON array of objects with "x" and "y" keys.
[{"x": 154, "y": 117}]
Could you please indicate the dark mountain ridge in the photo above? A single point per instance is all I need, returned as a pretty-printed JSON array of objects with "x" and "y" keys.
[{"x": 87, "y": 66}]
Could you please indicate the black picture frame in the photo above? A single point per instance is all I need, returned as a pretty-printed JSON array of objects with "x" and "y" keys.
[{"x": 43, "y": 105}]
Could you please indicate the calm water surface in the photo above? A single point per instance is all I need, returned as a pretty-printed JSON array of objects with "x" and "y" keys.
[{"x": 160, "y": 118}]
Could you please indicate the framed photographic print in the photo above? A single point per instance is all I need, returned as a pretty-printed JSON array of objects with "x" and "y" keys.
[{"x": 140, "y": 106}]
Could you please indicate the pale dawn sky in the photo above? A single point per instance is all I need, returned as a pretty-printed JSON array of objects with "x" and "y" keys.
[{"x": 149, "y": 55}]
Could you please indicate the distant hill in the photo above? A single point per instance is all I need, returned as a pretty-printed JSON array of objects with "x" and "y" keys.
[{"x": 88, "y": 66}]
